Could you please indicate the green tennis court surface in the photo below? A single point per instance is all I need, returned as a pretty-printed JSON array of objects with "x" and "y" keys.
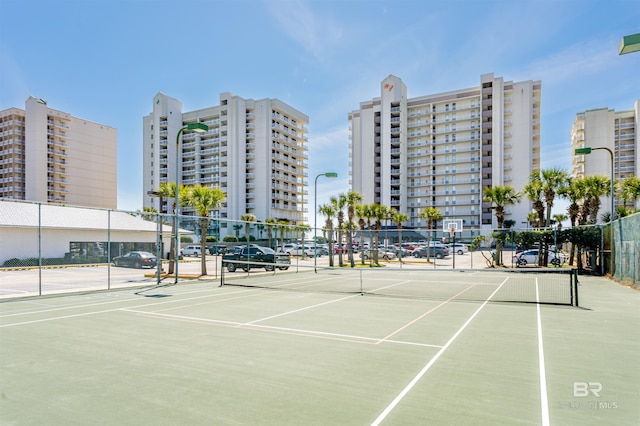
[{"x": 200, "y": 354}]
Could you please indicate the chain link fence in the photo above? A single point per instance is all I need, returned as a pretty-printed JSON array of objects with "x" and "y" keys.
[
  {"x": 623, "y": 237},
  {"x": 52, "y": 249}
]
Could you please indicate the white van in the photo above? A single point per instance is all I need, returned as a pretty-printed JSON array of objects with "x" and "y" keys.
[{"x": 192, "y": 250}]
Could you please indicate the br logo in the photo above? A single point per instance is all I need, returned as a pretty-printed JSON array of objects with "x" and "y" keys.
[{"x": 584, "y": 389}]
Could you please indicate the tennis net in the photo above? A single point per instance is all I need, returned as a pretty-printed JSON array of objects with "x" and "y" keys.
[{"x": 547, "y": 286}]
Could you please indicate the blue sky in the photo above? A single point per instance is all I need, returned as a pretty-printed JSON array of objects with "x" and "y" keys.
[{"x": 105, "y": 60}]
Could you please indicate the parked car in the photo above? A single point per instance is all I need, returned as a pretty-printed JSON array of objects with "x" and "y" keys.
[
  {"x": 217, "y": 249},
  {"x": 192, "y": 250},
  {"x": 286, "y": 248},
  {"x": 458, "y": 248},
  {"x": 299, "y": 251},
  {"x": 399, "y": 251},
  {"x": 530, "y": 257},
  {"x": 255, "y": 257},
  {"x": 520, "y": 249},
  {"x": 136, "y": 259},
  {"x": 337, "y": 249},
  {"x": 409, "y": 247},
  {"x": 437, "y": 251},
  {"x": 319, "y": 250},
  {"x": 382, "y": 254}
]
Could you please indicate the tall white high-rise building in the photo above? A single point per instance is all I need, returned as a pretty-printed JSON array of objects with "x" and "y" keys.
[
  {"x": 51, "y": 156},
  {"x": 607, "y": 128},
  {"x": 442, "y": 150},
  {"x": 254, "y": 150}
]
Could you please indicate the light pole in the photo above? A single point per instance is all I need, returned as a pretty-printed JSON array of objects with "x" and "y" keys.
[
  {"x": 194, "y": 127},
  {"x": 315, "y": 215},
  {"x": 587, "y": 150},
  {"x": 158, "y": 237}
]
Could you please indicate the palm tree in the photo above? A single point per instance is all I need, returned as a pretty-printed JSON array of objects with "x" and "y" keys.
[
  {"x": 283, "y": 224},
  {"x": 260, "y": 227},
  {"x": 329, "y": 212},
  {"x": 349, "y": 226},
  {"x": 500, "y": 196},
  {"x": 432, "y": 215},
  {"x": 629, "y": 190},
  {"x": 270, "y": 223},
  {"x": 360, "y": 212},
  {"x": 204, "y": 199},
  {"x": 380, "y": 213},
  {"x": 533, "y": 218},
  {"x": 559, "y": 218},
  {"x": 595, "y": 187},
  {"x": 572, "y": 191},
  {"x": 552, "y": 181},
  {"x": 168, "y": 190},
  {"x": 302, "y": 229},
  {"x": 339, "y": 203},
  {"x": 534, "y": 192},
  {"x": 351, "y": 200},
  {"x": 368, "y": 212},
  {"x": 399, "y": 218},
  {"x": 247, "y": 218}
]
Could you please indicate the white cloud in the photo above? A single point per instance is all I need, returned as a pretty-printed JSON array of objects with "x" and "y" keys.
[
  {"x": 315, "y": 33},
  {"x": 582, "y": 59}
]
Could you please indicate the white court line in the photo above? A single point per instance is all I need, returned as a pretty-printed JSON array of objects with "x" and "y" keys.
[
  {"x": 426, "y": 368},
  {"x": 58, "y": 318},
  {"x": 299, "y": 310},
  {"x": 373, "y": 340},
  {"x": 544, "y": 400},
  {"x": 90, "y": 305},
  {"x": 130, "y": 298}
]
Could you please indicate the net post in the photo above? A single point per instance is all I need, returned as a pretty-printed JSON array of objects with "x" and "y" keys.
[
  {"x": 574, "y": 279},
  {"x": 361, "y": 290},
  {"x": 221, "y": 274}
]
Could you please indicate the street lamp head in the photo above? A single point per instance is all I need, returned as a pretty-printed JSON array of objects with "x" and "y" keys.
[
  {"x": 630, "y": 43},
  {"x": 197, "y": 127},
  {"x": 581, "y": 151},
  {"x": 331, "y": 174}
]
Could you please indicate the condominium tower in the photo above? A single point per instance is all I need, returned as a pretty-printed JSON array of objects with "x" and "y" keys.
[
  {"x": 254, "y": 150},
  {"x": 607, "y": 128},
  {"x": 442, "y": 150},
  {"x": 51, "y": 156}
]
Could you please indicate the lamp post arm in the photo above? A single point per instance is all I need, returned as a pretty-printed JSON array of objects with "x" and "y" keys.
[{"x": 176, "y": 255}]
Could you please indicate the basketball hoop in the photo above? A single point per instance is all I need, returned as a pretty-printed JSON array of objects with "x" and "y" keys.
[{"x": 453, "y": 231}]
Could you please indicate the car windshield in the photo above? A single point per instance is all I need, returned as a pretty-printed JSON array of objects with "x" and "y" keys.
[{"x": 267, "y": 250}]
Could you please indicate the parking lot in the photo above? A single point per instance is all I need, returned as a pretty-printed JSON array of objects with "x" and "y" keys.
[{"x": 34, "y": 281}]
